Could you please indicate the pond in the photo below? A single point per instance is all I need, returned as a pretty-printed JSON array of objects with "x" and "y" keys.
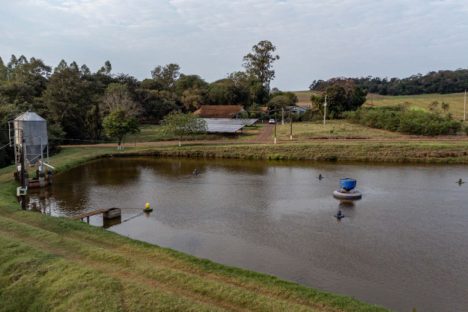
[{"x": 403, "y": 246}]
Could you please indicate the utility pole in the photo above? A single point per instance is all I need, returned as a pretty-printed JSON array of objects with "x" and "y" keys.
[
  {"x": 290, "y": 124},
  {"x": 325, "y": 111},
  {"x": 275, "y": 130},
  {"x": 23, "y": 175},
  {"x": 464, "y": 107},
  {"x": 282, "y": 116}
]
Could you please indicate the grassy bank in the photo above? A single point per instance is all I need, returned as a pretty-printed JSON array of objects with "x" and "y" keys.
[
  {"x": 347, "y": 151},
  {"x": 55, "y": 264}
]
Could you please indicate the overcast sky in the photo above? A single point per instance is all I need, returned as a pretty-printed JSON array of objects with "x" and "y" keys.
[{"x": 315, "y": 39}]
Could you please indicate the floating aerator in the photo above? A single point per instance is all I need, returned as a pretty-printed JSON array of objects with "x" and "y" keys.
[{"x": 347, "y": 190}]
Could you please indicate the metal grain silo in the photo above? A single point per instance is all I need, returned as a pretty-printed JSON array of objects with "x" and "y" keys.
[{"x": 31, "y": 134}]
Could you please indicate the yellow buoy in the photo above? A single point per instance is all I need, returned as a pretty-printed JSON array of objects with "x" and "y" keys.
[{"x": 147, "y": 208}]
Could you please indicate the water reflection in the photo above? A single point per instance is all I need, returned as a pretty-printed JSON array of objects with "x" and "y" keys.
[{"x": 107, "y": 223}]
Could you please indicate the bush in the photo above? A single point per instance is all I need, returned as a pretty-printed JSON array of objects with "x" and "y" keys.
[
  {"x": 466, "y": 130},
  {"x": 311, "y": 115},
  {"x": 404, "y": 120}
]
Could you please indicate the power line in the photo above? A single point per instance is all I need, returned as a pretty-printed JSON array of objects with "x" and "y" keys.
[{"x": 5, "y": 146}]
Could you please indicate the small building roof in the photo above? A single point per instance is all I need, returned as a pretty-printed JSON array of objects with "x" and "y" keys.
[
  {"x": 218, "y": 111},
  {"x": 29, "y": 116}
]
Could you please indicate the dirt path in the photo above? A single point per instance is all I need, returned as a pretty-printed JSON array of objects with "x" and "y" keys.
[{"x": 265, "y": 135}]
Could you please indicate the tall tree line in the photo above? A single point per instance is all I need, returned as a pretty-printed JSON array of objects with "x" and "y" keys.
[
  {"x": 443, "y": 81},
  {"x": 75, "y": 100}
]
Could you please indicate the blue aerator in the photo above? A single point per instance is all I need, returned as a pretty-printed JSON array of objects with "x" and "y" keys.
[{"x": 348, "y": 184}]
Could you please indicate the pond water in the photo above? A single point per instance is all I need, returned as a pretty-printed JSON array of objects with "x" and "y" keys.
[{"x": 403, "y": 246}]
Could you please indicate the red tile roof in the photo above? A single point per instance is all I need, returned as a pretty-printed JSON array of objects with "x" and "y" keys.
[{"x": 218, "y": 111}]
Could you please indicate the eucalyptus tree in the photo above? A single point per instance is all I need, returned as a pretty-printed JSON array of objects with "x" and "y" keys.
[
  {"x": 259, "y": 62},
  {"x": 166, "y": 76}
]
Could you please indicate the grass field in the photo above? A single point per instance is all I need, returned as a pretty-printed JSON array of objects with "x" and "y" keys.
[
  {"x": 303, "y": 97},
  {"x": 455, "y": 100},
  {"x": 334, "y": 129},
  {"x": 56, "y": 264},
  {"x": 154, "y": 133}
]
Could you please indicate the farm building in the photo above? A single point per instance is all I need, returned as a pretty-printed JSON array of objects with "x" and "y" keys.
[
  {"x": 223, "y": 118},
  {"x": 298, "y": 110}
]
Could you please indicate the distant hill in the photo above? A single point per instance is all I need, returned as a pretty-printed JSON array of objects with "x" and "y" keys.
[{"x": 443, "y": 81}]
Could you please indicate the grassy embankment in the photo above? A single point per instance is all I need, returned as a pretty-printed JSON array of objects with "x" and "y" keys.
[
  {"x": 55, "y": 264},
  {"x": 345, "y": 151}
]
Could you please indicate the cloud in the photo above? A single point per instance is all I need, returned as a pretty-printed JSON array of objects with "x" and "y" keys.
[{"x": 315, "y": 39}]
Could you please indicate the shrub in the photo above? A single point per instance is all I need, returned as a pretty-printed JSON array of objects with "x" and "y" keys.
[{"x": 410, "y": 121}]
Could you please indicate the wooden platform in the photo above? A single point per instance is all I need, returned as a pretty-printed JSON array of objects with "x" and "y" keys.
[{"x": 108, "y": 213}]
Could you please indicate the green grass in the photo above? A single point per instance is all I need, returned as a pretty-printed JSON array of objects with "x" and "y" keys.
[
  {"x": 333, "y": 129},
  {"x": 154, "y": 133},
  {"x": 303, "y": 97},
  {"x": 455, "y": 100},
  {"x": 56, "y": 264},
  {"x": 342, "y": 151}
]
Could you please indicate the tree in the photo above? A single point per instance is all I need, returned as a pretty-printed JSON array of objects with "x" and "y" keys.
[
  {"x": 192, "y": 99},
  {"x": 118, "y": 124},
  {"x": 122, "y": 112},
  {"x": 3, "y": 71},
  {"x": 247, "y": 88},
  {"x": 118, "y": 98},
  {"x": 61, "y": 66},
  {"x": 259, "y": 62},
  {"x": 223, "y": 92},
  {"x": 12, "y": 63},
  {"x": 166, "y": 76},
  {"x": 27, "y": 79},
  {"x": 70, "y": 100},
  {"x": 180, "y": 125},
  {"x": 282, "y": 100},
  {"x": 190, "y": 82},
  {"x": 156, "y": 104},
  {"x": 443, "y": 81},
  {"x": 74, "y": 66},
  {"x": 85, "y": 71},
  {"x": 106, "y": 69},
  {"x": 341, "y": 96}
]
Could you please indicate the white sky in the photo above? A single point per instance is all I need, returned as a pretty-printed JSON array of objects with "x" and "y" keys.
[{"x": 315, "y": 39}]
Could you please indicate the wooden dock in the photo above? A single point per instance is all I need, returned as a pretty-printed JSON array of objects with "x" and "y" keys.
[{"x": 108, "y": 213}]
